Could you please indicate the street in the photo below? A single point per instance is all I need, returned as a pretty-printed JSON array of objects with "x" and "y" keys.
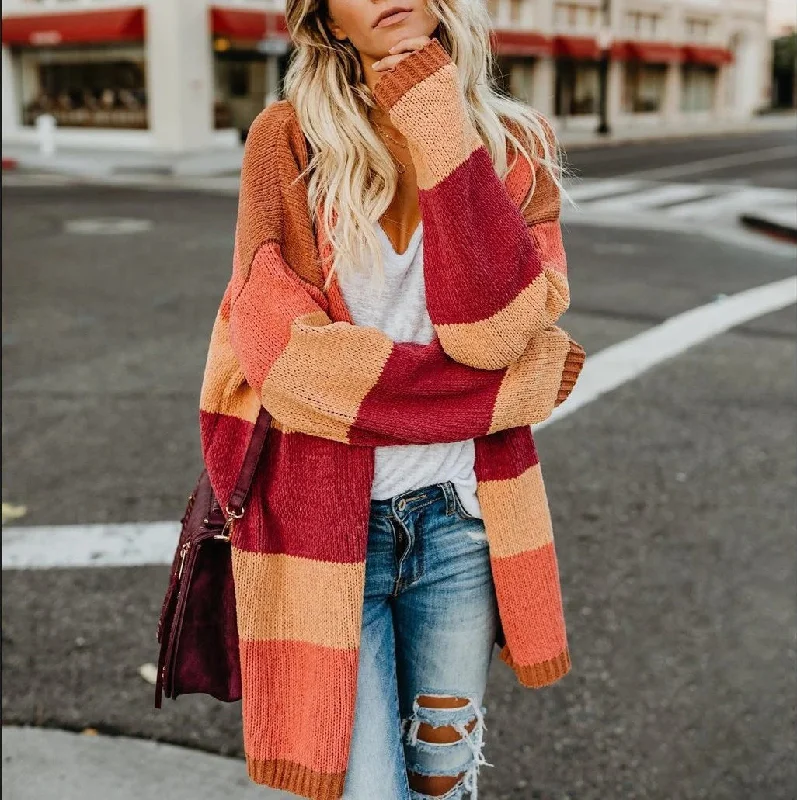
[
  {"x": 672, "y": 495},
  {"x": 764, "y": 159}
]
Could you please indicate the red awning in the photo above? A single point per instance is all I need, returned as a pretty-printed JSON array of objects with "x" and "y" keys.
[
  {"x": 710, "y": 56},
  {"x": 249, "y": 25},
  {"x": 647, "y": 52},
  {"x": 76, "y": 27},
  {"x": 580, "y": 47},
  {"x": 521, "y": 43}
]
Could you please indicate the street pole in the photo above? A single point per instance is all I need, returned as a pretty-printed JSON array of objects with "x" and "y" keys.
[
  {"x": 604, "y": 42},
  {"x": 603, "y": 109}
]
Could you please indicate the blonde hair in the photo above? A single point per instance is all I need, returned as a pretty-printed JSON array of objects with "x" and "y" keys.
[{"x": 351, "y": 171}]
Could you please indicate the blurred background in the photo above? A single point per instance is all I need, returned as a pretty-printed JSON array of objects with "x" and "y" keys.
[
  {"x": 671, "y": 470},
  {"x": 188, "y": 75}
]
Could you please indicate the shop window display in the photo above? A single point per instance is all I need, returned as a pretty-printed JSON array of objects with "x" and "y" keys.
[
  {"x": 644, "y": 88},
  {"x": 92, "y": 93},
  {"x": 577, "y": 88},
  {"x": 699, "y": 86}
]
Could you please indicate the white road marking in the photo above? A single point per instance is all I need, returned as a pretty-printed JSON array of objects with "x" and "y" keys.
[
  {"x": 584, "y": 192},
  {"x": 689, "y": 205},
  {"x": 652, "y": 197},
  {"x": 690, "y": 168},
  {"x": 617, "y": 248},
  {"x": 629, "y": 359},
  {"x": 139, "y": 544},
  {"x": 734, "y": 202},
  {"x": 107, "y": 226},
  {"x": 125, "y": 544},
  {"x": 727, "y": 231},
  {"x": 12, "y": 512}
]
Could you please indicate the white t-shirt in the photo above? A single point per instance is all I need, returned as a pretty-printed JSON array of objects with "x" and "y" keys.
[{"x": 397, "y": 306}]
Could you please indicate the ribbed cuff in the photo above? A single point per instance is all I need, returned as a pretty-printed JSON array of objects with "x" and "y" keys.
[
  {"x": 535, "y": 676},
  {"x": 574, "y": 363},
  {"x": 296, "y": 778},
  {"x": 409, "y": 72}
]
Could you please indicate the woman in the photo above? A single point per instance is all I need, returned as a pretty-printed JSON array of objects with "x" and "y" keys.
[{"x": 398, "y": 273}]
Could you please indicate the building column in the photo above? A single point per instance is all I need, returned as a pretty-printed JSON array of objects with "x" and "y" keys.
[
  {"x": 673, "y": 87},
  {"x": 11, "y": 97},
  {"x": 180, "y": 75},
  {"x": 542, "y": 86},
  {"x": 504, "y": 14},
  {"x": 720, "y": 91},
  {"x": 272, "y": 80},
  {"x": 615, "y": 88}
]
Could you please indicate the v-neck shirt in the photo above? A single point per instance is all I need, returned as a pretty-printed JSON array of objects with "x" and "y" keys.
[{"x": 397, "y": 307}]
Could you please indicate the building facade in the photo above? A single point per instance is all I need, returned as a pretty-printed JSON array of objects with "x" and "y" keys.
[
  {"x": 189, "y": 75},
  {"x": 672, "y": 64}
]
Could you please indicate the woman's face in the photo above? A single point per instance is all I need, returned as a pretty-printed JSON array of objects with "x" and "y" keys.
[{"x": 365, "y": 24}]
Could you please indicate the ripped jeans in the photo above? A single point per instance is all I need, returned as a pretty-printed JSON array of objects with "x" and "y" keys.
[{"x": 429, "y": 624}]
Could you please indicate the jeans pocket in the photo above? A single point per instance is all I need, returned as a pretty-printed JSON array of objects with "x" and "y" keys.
[{"x": 459, "y": 509}]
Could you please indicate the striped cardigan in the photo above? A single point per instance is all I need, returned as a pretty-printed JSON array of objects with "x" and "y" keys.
[{"x": 496, "y": 284}]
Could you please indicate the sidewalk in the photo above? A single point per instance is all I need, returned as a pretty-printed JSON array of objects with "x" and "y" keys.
[
  {"x": 41, "y": 764},
  {"x": 99, "y": 164},
  {"x": 577, "y": 140},
  {"x": 133, "y": 166}
]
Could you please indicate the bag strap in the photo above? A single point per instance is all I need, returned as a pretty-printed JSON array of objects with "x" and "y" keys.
[{"x": 235, "y": 507}]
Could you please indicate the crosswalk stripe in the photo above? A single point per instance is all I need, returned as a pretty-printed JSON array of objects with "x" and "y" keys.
[
  {"x": 690, "y": 202},
  {"x": 668, "y": 194},
  {"x": 727, "y": 203},
  {"x": 125, "y": 544},
  {"x": 586, "y": 192}
]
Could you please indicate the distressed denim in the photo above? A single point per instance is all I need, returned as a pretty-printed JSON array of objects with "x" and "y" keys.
[{"x": 429, "y": 625}]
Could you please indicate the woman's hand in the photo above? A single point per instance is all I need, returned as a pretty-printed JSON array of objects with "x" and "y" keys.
[{"x": 399, "y": 52}]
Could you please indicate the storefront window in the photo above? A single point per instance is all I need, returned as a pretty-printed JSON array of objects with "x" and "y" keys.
[
  {"x": 244, "y": 78},
  {"x": 644, "y": 88},
  {"x": 577, "y": 88},
  {"x": 88, "y": 88},
  {"x": 699, "y": 85}
]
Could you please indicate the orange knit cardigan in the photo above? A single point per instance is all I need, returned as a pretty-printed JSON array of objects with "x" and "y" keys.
[{"x": 496, "y": 283}]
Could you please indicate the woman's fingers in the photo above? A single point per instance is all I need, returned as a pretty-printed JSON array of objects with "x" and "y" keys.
[
  {"x": 400, "y": 51},
  {"x": 414, "y": 43},
  {"x": 388, "y": 62}
]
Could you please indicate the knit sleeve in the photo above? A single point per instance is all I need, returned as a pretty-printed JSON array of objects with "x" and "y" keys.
[
  {"x": 349, "y": 383},
  {"x": 495, "y": 277},
  {"x": 354, "y": 384}
]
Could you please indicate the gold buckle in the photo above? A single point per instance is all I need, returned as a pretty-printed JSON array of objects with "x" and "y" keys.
[{"x": 227, "y": 530}]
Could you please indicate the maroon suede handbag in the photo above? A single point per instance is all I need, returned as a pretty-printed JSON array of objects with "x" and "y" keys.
[{"x": 198, "y": 627}]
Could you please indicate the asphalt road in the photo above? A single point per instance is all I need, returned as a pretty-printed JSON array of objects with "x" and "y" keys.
[
  {"x": 765, "y": 159},
  {"x": 673, "y": 502}
]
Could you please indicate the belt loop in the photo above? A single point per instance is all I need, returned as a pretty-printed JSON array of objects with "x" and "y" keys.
[{"x": 448, "y": 493}]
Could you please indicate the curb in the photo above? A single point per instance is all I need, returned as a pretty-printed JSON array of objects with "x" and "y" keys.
[
  {"x": 785, "y": 123},
  {"x": 47, "y": 763},
  {"x": 771, "y": 227},
  {"x": 570, "y": 140},
  {"x": 79, "y": 165}
]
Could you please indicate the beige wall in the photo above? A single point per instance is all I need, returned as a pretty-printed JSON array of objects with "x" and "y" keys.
[{"x": 180, "y": 59}]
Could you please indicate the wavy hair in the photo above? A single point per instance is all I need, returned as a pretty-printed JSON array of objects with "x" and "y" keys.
[{"x": 352, "y": 175}]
